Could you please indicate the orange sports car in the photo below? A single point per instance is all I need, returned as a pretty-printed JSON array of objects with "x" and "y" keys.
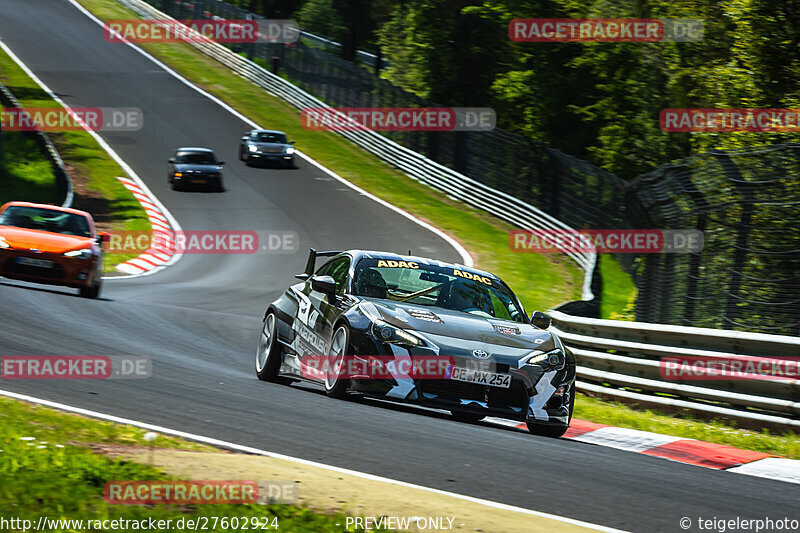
[{"x": 53, "y": 245}]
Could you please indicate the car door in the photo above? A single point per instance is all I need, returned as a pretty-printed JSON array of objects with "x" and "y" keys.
[{"x": 316, "y": 315}]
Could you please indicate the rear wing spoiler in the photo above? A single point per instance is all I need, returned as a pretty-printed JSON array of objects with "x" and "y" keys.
[{"x": 312, "y": 260}]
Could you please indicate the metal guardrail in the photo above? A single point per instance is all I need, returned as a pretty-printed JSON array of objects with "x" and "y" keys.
[
  {"x": 366, "y": 57},
  {"x": 48, "y": 149},
  {"x": 624, "y": 360},
  {"x": 453, "y": 184}
]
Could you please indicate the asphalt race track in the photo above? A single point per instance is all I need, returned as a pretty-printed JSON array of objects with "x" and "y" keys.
[{"x": 199, "y": 319}]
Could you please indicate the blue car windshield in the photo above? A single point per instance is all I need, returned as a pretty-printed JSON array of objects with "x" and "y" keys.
[{"x": 436, "y": 285}]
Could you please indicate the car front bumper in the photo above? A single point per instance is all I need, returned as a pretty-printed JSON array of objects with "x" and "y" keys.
[{"x": 65, "y": 271}]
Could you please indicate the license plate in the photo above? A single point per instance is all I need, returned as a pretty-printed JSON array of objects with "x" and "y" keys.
[
  {"x": 479, "y": 377},
  {"x": 199, "y": 181},
  {"x": 29, "y": 261}
]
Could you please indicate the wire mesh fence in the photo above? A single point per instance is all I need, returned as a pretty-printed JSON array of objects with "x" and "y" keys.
[{"x": 747, "y": 204}]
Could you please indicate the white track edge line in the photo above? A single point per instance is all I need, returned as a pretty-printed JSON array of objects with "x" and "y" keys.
[
  {"x": 273, "y": 455},
  {"x": 114, "y": 155},
  {"x": 465, "y": 255}
]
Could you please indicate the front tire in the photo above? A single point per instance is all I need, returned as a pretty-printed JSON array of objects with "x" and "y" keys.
[
  {"x": 335, "y": 385},
  {"x": 268, "y": 354},
  {"x": 555, "y": 431},
  {"x": 547, "y": 431},
  {"x": 90, "y": 292},
  {"x": 469, "y": 418}
]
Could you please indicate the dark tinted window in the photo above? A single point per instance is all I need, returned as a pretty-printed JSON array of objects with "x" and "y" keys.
[
  {"x": 338, "y": 269},
  {"x": 433, "y": 284},
  {"x": 264, "y": 137},
  {"x": 196, "y": 158}
]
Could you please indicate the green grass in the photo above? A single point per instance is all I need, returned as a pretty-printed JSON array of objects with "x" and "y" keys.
[
  {"x": 94, "y": 172},
  {"x": 618, "y": 293},
  {"x": 24, "y": 171},
  {"x": 720, "y": 432},
  {"x": 56, "y": 475},
  {"x": 541, "y": 280}
]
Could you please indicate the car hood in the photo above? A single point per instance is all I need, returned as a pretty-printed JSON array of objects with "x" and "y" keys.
[
  {"x": 186, "y": 167},
  {"x": 44, "y": 241},
  {"x": 462, "y": 332}
]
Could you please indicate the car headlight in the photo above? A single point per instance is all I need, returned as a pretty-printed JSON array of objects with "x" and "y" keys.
[
  {"x": 554, "y": 358},
  {"x": 252, "y": 147},
  {"x": 4, "y": 243},
  {"x": 289, "y": 150},
  {"x": 85, "y": 253},
  {"x": 392, "y": 335}
]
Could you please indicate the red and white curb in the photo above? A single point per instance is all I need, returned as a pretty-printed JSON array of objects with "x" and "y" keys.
[
  {"x": 679, "y": 449},
  {"x": 162, "y": 251}
]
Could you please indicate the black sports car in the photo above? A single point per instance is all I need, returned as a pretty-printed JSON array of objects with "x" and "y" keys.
[
  {"x": 394, "y": 315},
  {"x": 195, "y": 168}
]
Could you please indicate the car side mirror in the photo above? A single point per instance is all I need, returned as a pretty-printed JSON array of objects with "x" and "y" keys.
[
  {"x": 171, "y": 160},
  {"x": 540, "y": 320},
  {"x": 291, "y": 142},
  {"x": 102, "y": 237},
  {"x": 220, "y": 163},
  {"x": 325, "y": 285}
]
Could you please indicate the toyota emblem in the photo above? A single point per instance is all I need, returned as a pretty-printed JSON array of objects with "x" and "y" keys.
[{"x": 480, "y": 354}]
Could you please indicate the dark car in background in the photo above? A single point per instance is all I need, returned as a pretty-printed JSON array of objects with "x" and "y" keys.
[
  {"x": 195, "y": 168},
  {"x": 386, "y": 310},
  {"x": 266, "y": 146}
]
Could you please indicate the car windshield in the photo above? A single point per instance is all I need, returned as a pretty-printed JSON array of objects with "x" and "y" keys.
[
  {"x": 268, "y": 137},
  {"x": 437, "y": 285},
  {"x": 196, "y": 158},
  {"x": 46, "y": 220}
]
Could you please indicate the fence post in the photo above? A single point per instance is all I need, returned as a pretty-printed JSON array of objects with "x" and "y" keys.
[{"x": 742, "y": 238}]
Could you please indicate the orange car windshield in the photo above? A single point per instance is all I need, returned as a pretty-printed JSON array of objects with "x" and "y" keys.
[{"x": 46, "y": 220}]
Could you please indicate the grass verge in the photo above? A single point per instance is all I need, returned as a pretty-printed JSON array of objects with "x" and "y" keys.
[
  {"x": 94, "y": 173},
  {"x": 618, "y": 293},
  {"x": 720, "y": 432},
  {"x": 556, "y": 278},
  {"x": 48, "y": 468},
  {"x": 24, "y": 171}
]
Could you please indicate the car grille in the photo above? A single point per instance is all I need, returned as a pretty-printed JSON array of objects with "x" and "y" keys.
[
  {"x": 450, "y": 389},
  {"x": 12, "y": 267},
  {"x": 278, "y": 150}
]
